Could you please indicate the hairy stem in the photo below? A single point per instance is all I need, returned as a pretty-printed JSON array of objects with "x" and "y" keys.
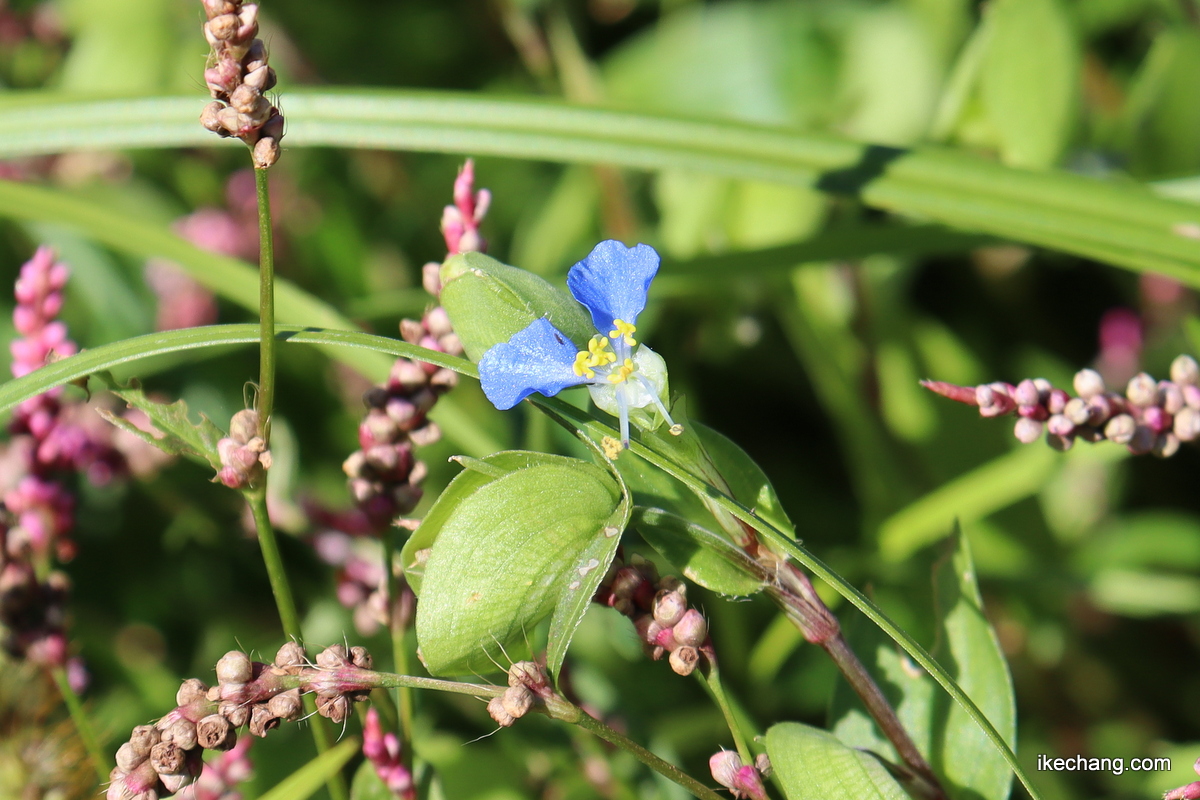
[
  {"x": 266, "y": 307},
  {"x": 712, "y": 680},
  {"x": 257, "y": 496},
  {"x": 288, "y": 618},
  {"x": 83, "y": 725},
  {"x": 404, "y": 698},
  {"x": 883, "y": 714}
]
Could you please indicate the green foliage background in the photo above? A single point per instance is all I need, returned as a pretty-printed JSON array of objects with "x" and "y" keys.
[{"x": 809, "y": 359}]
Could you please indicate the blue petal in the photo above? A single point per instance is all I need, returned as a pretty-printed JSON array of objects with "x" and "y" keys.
[
  {"x": 538, "y": 359},
  {"x": 612, "y": 282}
]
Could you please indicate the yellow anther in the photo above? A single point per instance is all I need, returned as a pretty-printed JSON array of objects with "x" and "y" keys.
[
  {"x": 583, "y": 365},
  {"x": 625, "y": 330},
  {"x": 600, "y": 353},
  {"x": 622, "y": 373}
]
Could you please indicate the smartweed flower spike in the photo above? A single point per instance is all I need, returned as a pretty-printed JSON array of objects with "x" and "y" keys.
[
  {"x": 621, "y": 375},
  {"x": 1150, "y": 417},
  {"x": 237, "y": 78}
]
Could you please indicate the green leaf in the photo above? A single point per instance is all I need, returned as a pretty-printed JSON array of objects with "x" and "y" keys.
[
  {"x": 488, "y": 302},
  {"x": 747, "y": 482},
  {"x": 812, "y": 764},
  {"x": 302, "y": 783},
  {"x": 506, "y": 552},
  {"x": 703, "y": 556},
  {"x": 1028, "y": 80},
  {"x": 971, "y": 652},
  {"x": 180, "y": 436},
  {"x": 959, "y": 752}
]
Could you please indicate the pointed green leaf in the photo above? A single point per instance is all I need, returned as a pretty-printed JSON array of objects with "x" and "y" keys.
[
  {"x": 812, "y": 764},
  {"x": 703, "y": 556},
  {"x": 966, "y": 758},
  {"x": 505, "y": 551},
  {"x": 180, "y": 436},
  {"x": 959, "y": 752}
]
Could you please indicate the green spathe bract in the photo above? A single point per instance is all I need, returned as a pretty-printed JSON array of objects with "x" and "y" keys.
[
  {"x": 506, "y": 552},
  {"x": 489, "y": 302}
]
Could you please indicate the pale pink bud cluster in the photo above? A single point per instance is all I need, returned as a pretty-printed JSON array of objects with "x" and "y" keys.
[
  {"x": 163, "y": 758},
  {"x": 742, "y": 780},
  {"x": 222, "y": 775},
  {"x": 383, "y": 751},
  {"x": 244, "y": 454},
  {"x": 527, "y": 682},
  {"x": 237, "y": 79},
  {"x": 460, "y": 221},
  {"x": 659, "y": 610},
  {"x": 1150, "y": 417}
]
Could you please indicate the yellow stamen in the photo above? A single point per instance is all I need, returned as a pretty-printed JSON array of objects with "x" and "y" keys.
[
  {"x": 622, "y": 373},
  {"x": 600, "y": 352},
  {"x": 625, "y": 330},
  {"x": 583, "y": 365}
]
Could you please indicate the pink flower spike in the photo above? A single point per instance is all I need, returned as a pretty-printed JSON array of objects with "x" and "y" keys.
[{"x": 963, "y": 394}]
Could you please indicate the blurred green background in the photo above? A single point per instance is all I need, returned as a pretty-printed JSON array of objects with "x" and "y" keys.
[{"x": 1089, "y": 560}]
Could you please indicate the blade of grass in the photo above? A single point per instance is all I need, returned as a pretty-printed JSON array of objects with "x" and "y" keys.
[
  {"x": 1121, "y": 222},
  {"x": 230, "y": 278}
]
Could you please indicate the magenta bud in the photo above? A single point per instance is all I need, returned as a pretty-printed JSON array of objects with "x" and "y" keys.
[
  {"x": 1027, "y": 394},
  {"x": 1059, "y": 425},
  {"x": 691, "y": 630},
  {"x": 1156, "y": 419},
  {"x": 1172, "y": 397},
  {"x": 724, "y": 767},
  {"x": 1142, "y": 441},
  {"x": 1060, "y": 443},
  {"x": 647, "y": 629},
  {"x": 1056, "y": 401}
]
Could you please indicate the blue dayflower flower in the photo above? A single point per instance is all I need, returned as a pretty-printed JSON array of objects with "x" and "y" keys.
[{"x": 621, "y": 375}]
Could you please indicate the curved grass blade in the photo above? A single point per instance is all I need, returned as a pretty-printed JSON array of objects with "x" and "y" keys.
[
  {"x": 1122, "y": 223},
  {"x": 108, "y": 356}
]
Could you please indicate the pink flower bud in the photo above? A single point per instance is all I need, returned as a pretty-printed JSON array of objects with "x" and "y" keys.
[{"x": 691, "y": 630}]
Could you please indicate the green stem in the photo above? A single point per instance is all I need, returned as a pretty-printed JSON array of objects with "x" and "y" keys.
[
  {"x": 290, "y": 620},
  {"x": 266, "y": 307},
  {"x": 404, "y": 698},
  {"x": 577, "y": 716},
  {"x": 82, "y": 724},
  {"x": 712, "y": 680}
]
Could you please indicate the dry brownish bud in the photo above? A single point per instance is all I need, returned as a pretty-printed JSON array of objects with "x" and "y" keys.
[
  {"x": 517, "y": 700},
  {"x": 683, "y": 660},
  {"x": 215, "y": 732},
  {"x": 497, "y": 712},
  {"x": 234, "y": 667},
  {"x": 192, "y": 690},
  {"x": 238, "y": 714},
  {"x": 287, "y": 705},
  {"x": 168, "y": 758},
  {"x": 262, "y": 720},
  {"x": 335, "y": 708},
  {"x": 290, "y": 655}
]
